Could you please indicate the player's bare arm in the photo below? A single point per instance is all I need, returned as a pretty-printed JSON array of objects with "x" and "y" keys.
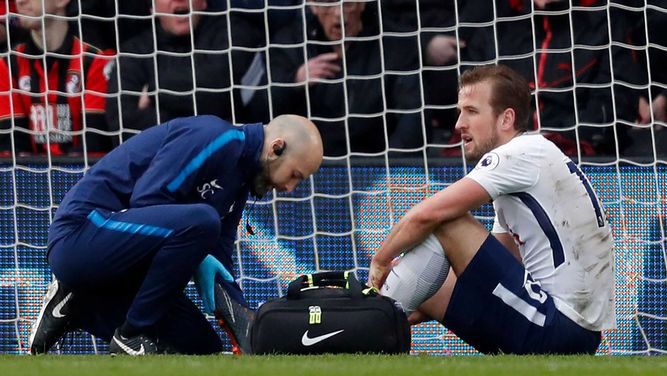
[{"x": 423, "y": 219}]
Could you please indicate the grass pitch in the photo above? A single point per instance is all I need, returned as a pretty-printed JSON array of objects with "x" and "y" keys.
[{"x": 338, "y": 365}]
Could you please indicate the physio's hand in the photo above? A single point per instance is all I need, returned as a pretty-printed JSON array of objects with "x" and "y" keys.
[
  {"x": 205, "y": 280},
  {"x": 378, "y": 272}
]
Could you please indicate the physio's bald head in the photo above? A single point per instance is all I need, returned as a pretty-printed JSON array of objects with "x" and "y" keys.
[
  {"x": 292, "y": 152},
  {"x": 299, "y": 133}
]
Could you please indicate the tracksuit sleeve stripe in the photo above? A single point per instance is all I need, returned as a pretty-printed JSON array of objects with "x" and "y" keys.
[
  {"x": 203, "y": 155},
  {"x": 133, "y": 228}
]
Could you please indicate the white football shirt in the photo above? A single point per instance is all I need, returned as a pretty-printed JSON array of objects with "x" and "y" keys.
[{"x": 547, "y": 204}]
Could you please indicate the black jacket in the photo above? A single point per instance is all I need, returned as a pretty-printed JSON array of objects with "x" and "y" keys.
[
  {"x": 173, "y": 57},
  {"x": 569, "y": 56}
]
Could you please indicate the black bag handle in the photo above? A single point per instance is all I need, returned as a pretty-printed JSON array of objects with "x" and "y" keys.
[{"x": 345, "y": 280}]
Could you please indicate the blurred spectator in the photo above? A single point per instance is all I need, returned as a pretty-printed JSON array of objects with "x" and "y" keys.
[
  {"x": 109, "y": 23},
  {"x": 427, "y": 26},
  {"x": 573, "y": 84},
  {"x": 656, "y": 111},
  {"x": 4, "y": 22},
  {"x": 338, "y": 78},
  {"x": 266, "y": 18},
  {"x": 52, "y": 87},
  {"x": 149, "y": 96},
  {"x": 646, "y": 142},
  {"x": 654, "y": 25},
  {"x": 279, "y": 13},
  {"x": 10, "y": 31},
  {"x": 653, "y": 102}
]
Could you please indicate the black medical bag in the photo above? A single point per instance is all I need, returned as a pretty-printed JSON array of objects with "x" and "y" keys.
[{"x": 330, "y": 312}]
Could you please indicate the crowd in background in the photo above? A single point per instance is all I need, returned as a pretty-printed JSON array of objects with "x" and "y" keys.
[{"x": 372, "y": 75}]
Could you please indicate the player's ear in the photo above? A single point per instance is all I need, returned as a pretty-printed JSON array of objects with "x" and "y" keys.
[{"x": 509, "y": 119}]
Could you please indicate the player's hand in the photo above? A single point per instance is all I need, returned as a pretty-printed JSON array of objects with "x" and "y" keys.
[
  {"x": 205, "y": 280},
  {"x": 321, "y": 66},
  {"x": 378, "y": 272},
  {"x": 417, "y": 317}
]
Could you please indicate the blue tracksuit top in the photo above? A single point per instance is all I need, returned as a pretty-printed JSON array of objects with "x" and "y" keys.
[{"x": 199, "y": 159}]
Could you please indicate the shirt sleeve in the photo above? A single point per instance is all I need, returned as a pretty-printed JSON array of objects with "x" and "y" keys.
[
  {"x": 190, "y": 154},
  {"x": 7, "y": 95},
  {"x": 5, "y": 92},
  {"x": 7, "y": 98},
  {"x": 506, "y": 170},
  {"x": 97, "y": 79}
]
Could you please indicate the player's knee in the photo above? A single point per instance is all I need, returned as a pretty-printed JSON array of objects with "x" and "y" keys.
[{"x": 204, "y": 222}]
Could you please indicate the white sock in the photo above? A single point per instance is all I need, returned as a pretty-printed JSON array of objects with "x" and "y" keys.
[{"x": 418, "y": 275}]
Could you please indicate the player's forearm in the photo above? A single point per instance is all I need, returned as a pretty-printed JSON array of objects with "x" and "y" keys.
[
  {"x": 407, "y": 233},
  {"x": 420, "y": 221}
]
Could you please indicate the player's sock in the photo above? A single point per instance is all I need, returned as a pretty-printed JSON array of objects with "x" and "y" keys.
[{"x": 418, "y": 275}]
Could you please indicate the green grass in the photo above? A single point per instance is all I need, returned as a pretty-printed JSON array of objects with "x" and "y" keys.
[{"x": 339, "y": 365}]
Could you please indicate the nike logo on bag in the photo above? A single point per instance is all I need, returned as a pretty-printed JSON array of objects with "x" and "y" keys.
[
  {"x": 307, "y": 341},
  {"x": 128, "y": 349},
  {"x": 56, "y": 311}
]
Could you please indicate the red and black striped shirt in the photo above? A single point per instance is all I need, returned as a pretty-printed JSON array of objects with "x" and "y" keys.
[{"x": 48, "y": 96}]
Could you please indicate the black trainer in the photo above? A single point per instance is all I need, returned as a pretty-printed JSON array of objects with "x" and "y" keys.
[
  {"x": 54, "y": 318},
  {"x": 235, "y": 319},
  {"x": 134, "y": 346}
]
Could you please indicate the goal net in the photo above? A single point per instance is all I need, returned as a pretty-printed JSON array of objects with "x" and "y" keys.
[{"x": 399, "y": 70}]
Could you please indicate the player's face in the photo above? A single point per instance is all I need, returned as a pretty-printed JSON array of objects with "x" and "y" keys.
[
  {"x": 328, "y": 13},
  {"x": 35, "y": 9},
  {"x": 175, "y": 15},
  {"x": 477, "y": 122}
]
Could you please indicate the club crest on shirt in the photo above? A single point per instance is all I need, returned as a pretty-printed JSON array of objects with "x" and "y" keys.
[
  {"x": 488, "y": 162},
  {"x": 24, "y": 83},
  {"x": 73, "y": 82},
  {"x": 208, "y": 189},
  {"x": 108, "y": 68}
]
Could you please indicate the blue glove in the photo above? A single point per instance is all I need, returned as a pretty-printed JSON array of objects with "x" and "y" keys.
[{"x": 205, "y": 280}]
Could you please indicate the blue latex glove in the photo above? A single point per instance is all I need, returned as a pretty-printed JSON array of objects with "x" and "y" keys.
[{"x": 205, "y": 280}]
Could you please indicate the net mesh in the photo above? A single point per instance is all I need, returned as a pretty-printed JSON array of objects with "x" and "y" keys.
[{"x": 336, "y": 219}]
